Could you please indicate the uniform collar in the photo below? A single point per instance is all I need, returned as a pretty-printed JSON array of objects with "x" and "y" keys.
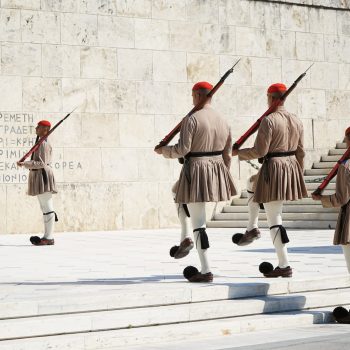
[{"x": 280, "y": 108}]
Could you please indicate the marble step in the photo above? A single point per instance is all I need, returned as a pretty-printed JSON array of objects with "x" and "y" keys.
[
  {"x": 296, "y": 224},
  {"x": 244, "y": 194},
  {"x": 311, "y": 179},
  {"x": 321, "y": 172},
  {"x": 341, "y": 145},
  {"x": 149, "y": 296},
  {"x": 323, "y": 165},
  {"x": 312, "y": 186},
  {"x": 154, "y": 335},
  {"x": 149, "y": 316},
  {"x": 286, "y": 209},
  {"x": 305, "y": 201},
  {"x": 301, "y": 216},
  {"x": 338, "y": 152},
  {"x": 330, "y": 158}
]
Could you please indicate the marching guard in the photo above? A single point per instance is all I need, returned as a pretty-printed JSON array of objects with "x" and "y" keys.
[
  {"x": 41, "y": 183},
  {"x": 280, "y": 145},
  {"x": 205, "y": 144},
  {"x": 341, "y": 199}
]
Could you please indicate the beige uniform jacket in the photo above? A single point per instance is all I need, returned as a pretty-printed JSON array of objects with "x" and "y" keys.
[
  {"x": 280, "y": 178},
  {"x": 204, "y": 179},
  {"x": 41, "y": 178}
]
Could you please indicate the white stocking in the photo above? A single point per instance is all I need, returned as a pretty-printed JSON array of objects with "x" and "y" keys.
[
  {"x": 46, "y": 205},
  {"x": 274, "y": 217},
  {"x": 198, "y": 218},
  {"x": 184, "y": 220},
  {"x": 346, "y": 251},
  {"x": 253, "y": 208}
]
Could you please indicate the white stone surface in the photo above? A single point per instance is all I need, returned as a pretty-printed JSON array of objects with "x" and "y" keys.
[
  {"x": 134, "y": 64},
  {"x": 98, "y": 63}
]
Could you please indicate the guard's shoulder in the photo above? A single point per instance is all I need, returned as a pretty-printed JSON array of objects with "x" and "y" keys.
[{"x": 268, "y": 120}]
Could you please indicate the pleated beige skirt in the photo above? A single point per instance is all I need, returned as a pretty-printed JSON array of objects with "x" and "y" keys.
[
  {"x": 209, "y": 181},
  {"x": 280, "y": 179},
  {"x": 36, "y": 184}
]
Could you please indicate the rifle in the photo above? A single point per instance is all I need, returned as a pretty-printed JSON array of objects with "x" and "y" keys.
[
  {"x": 332, "y": 173},
  {"x": 40, "y": 141},
  {"x": 165, "y": 141},
  {"x": 270, "y": 110}
]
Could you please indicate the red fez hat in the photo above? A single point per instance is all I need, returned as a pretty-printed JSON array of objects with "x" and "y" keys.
[
  {"x": 347, "y": 131},
  {"x": 278, "y": 87},
  {"x": 44, "y": 123},
  {"x": 202, "y": 85}
]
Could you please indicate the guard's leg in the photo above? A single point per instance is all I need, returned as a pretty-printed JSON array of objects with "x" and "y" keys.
[
  {"x": 279, "y": 238},
  {"x": 186, "y": 243},
  {"x": 183, "y": 214},
  {"x": 252, "y": 233},
  {"x": 49, "y": 216},
  {"x": 198, "y": 218},
  {"x": 253, "y": 207},
  {"x": 346, "y": 251}
]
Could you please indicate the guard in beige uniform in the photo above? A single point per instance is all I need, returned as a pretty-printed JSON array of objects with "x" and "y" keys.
[
  {"x": 279, "y": 143},
  {"x": 41, "y": 183},
  {"x": 341, "y": 199},
  {"x": 205, "y": 144}
]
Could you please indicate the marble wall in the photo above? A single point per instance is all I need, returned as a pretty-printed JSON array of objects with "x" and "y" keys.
[{"x": 128, "y": 65}]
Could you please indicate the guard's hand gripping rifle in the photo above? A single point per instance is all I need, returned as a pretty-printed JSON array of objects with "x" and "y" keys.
[
  {"x": 332, "y": 173},
  {"x": 38, "y": 143},
  {"x": 165, "y": 141},
  {"x": 271, "y": 109}
]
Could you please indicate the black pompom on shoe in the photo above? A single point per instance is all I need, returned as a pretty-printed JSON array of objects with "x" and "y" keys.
[
  {"x": 265, "y": 267},
  {"x": 35, "y": 240},
  {"x": 237, "y": 237},
  {"x": 340, "y": 313},
  {"x": 190, "y": 271},
  {"x": 173, "y": 250}
]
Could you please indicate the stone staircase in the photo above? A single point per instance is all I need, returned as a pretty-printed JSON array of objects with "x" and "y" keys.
[
  {"x": 145, "y": 316},
  {"x": 301, "y": 214}
]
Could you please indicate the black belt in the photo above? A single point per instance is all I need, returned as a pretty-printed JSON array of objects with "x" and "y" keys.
[
  {"x": 197, "y": 155},
  {"x": 268, "y": 156},
  {"x": 280, "y": 154},
  {"x": 203, "y": 154}
]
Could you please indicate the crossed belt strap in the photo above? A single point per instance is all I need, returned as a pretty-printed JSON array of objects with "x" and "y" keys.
[
  {"x": 203, "y": 237},
  {"x": 268, "y": 156},
  {"x": 283, "y": 231},
  {"x": 196, "y": 155},
  {"x": 52, "y": 212}
]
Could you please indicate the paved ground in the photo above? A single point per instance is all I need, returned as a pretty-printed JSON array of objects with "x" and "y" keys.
[{"x": 107, "y": 262}]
